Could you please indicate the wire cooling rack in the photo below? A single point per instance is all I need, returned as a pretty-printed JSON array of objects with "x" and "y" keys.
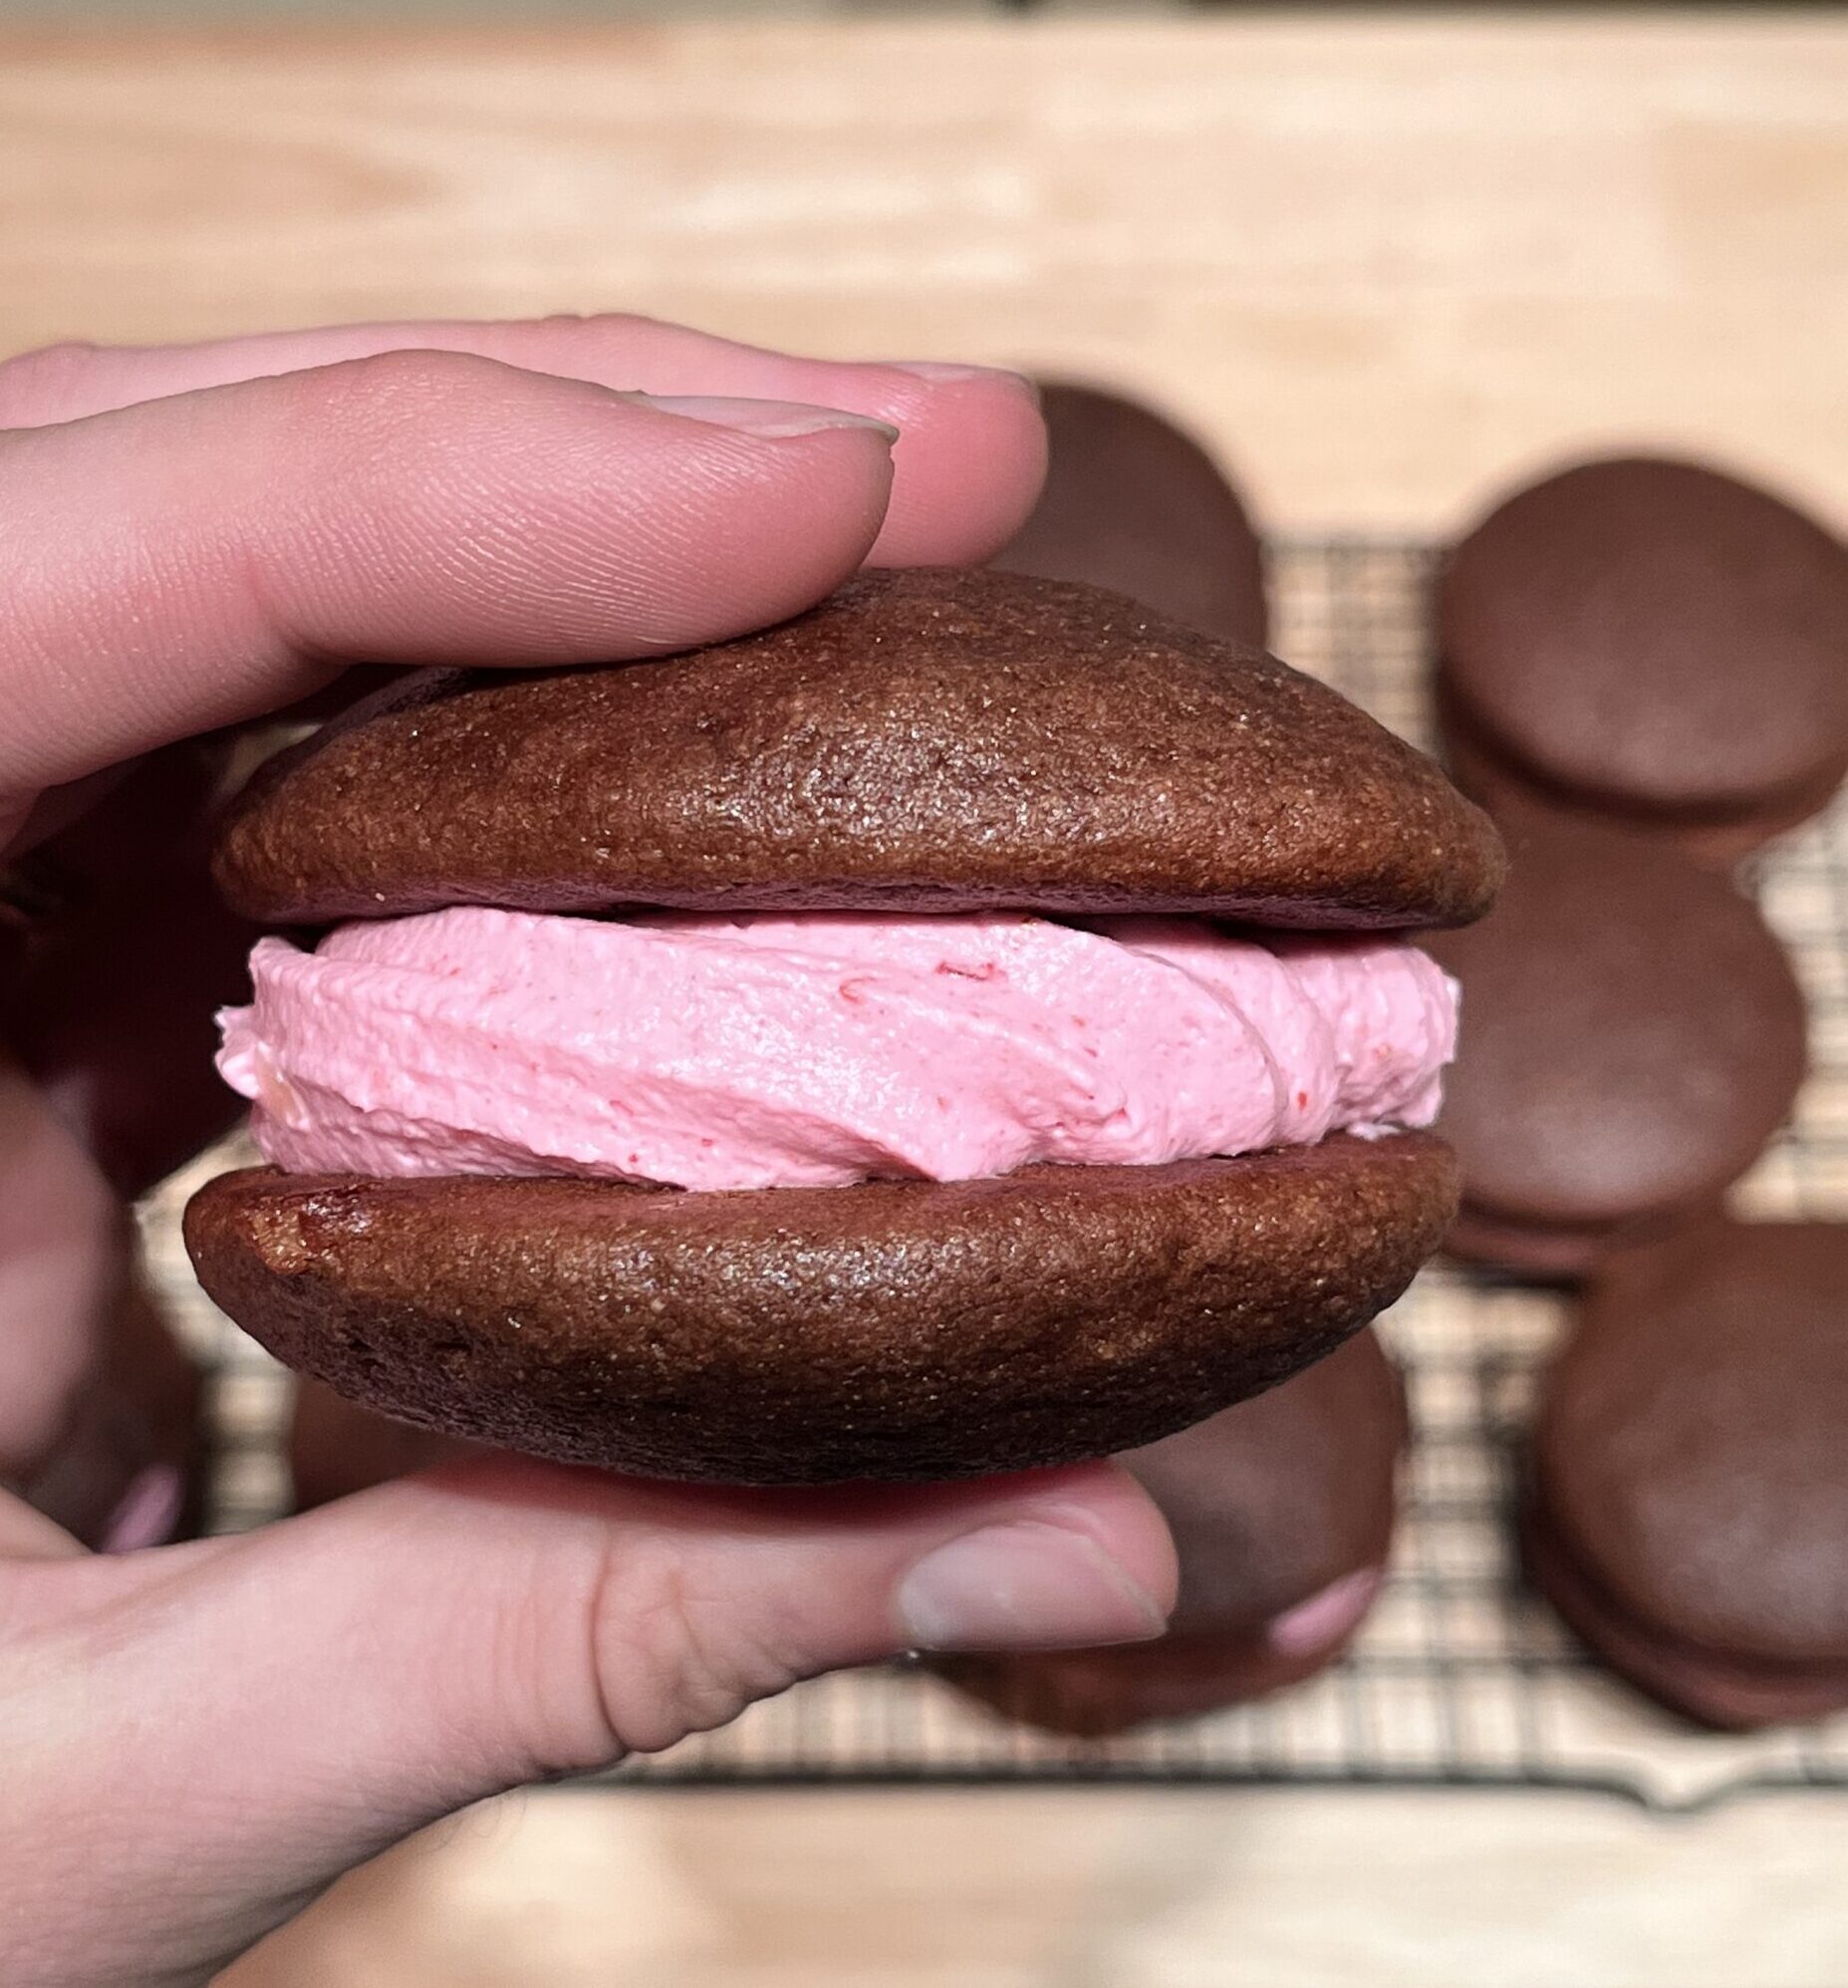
[{"x": 1459, "y": 1677}]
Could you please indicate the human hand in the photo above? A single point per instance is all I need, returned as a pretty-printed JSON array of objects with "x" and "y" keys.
[{"x": 199, "y": 1737}]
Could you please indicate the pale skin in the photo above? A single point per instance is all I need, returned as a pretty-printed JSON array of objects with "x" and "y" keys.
[{"x": 198, "y": 1738}]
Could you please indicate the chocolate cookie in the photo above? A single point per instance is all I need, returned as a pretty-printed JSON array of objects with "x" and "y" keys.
[
  {"x": 1632, "y": 1036},
  {"x": 790, "y": 1335},
  {"x": 1690, "y": 1485},
  {"x": 1650, "y": 642},
  {"x": 1282, "y": 1515},
  {"x": 928, "y": 741},
  {"x": 1134, "y": 505}
]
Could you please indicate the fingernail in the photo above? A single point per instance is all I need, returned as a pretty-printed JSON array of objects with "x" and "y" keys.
[
  {"x": 941, "y": 374},
  {"x": 148, "y": 1512},
  {"x": 1327, "y": 1616},
  {"x": 776, "y": 421},
  {"x": 1024, "y": 1585}
]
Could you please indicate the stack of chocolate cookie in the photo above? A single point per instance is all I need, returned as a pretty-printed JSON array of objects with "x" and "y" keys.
[
  {"x": 1643, "y": 674},
  {"x": 113, "y": 950},
  {"x": 1689, "y": 1494},
  {"x": 1634, "y": 1037},
  {"x": 1649, "y": 644}
]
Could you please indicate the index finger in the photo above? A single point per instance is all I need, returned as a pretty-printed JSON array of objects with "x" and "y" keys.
[
  {"x": 968, "y": 465},
  {"x": 198, "y": 560}
]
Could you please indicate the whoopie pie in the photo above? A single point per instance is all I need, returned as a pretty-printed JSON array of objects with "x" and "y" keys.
[
  {"x": 1689, "y": 1493},
  {"x": 1650, "y": 643},
  {"x": 959, "y": 1030},
  {"x": 1637, "y": 1036}
]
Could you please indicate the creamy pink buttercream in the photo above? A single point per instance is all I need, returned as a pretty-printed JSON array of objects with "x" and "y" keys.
[{"x": 757, "y": 1051}]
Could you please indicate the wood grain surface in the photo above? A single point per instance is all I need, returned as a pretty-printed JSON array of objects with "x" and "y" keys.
[
  {"x": 1384, "y": 264},
  {"x": 1088, "y": 1889}
]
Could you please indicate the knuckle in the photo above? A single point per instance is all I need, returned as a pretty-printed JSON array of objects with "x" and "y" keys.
[
  {"x": 671, "y": 1652},
  {"x": 396, "y": 404}
]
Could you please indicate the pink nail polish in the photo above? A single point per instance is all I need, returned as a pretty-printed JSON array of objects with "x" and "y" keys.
[
  {"x": 773, "y": 420},
  {"x": 148, "y": 1512},
  {"x": 1326, "y": 1617}
]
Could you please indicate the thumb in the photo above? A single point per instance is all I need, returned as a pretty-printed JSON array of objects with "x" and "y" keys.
[
  {"x": 246, "y": 1718},
  {"x": 191, "y": 563}
]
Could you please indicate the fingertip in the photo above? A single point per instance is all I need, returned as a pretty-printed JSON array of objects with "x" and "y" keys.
[
  {"x": 706, "y": 515},
  {"x": 1121, "y": 1517},
  {"x": 970, "y": 460},
  {"x": 26, "y": 1535},
  {"x": 948, "y": 373},
  {"x": 792, "y": 507},
  {"x": 1081, "y": 1560}
]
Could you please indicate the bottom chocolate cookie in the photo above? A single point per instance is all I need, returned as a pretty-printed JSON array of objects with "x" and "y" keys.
[
  {"x": 900, "y": 1331},
  {"x": 1716, "y": 841},
  {"x": 1719, "y": 1688},
  {"x": 1282, "y": 1514}
]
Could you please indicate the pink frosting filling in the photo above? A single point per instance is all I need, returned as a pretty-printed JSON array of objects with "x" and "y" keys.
[{"x": 759, "y": 1051}]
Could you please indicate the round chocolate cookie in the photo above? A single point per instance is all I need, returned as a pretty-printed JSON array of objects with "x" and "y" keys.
[
  {"x": 793, "y": 1335},
  {"x": 1282, "y": 1515},
  {"x": 1632, "y": 1036},
  {"x": 1651, "y": 641},
  {"x": 1134, "y": 505},
  {"x": 1690, "y": 1485},
  {"x": 922, "y": 741}
]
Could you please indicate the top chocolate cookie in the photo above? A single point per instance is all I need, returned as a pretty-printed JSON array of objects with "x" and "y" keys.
[
  {"x": 935, "y": 741},
  {"x": 1134, "y": 505},
  {"x": 1655, "y": 636}
]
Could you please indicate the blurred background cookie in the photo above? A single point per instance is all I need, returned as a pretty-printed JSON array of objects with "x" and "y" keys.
[
  {"x": 336, "y": 1447},
  {"x": 1690, "y": 1497},
  {"x": 127, "y": 1467},
  {"x": 123, "y": 951},
  {"x": 1650, "y": 642},
  {"x": 1282, "y": 1514},
  {"x": 1134, "y": 505},
  {"x": 1632, "y": 1036},
  {"x": 100, "y": 1425}
]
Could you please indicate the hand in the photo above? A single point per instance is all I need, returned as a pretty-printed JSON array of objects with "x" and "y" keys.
[{"x": 199, "y": 1737}]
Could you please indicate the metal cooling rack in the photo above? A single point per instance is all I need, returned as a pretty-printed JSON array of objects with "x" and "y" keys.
[{"x": 1459, "y": 1677}]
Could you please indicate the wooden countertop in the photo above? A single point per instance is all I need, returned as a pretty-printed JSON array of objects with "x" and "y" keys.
[
  {"x": 1384, "y": 264},
  {"x": 1088, "y": 1889}
]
